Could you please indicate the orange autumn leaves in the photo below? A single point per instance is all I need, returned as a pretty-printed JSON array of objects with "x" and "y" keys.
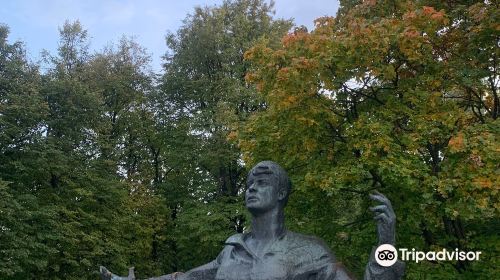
[{"x": 398, "y": 68}]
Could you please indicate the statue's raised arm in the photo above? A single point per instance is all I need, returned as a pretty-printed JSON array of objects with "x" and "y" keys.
[
  {"x": 386, "y": 235},
  {"x": 270, "y": 251}
]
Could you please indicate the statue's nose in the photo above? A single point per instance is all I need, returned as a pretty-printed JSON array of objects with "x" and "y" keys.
[{"x": 251, "y": 188}]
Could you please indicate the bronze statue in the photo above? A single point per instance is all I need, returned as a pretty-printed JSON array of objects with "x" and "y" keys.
[{"x": 271, "y": 252}]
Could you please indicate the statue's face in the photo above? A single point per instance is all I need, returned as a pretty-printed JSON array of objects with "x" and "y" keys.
[{"x": 263, "y": 192}]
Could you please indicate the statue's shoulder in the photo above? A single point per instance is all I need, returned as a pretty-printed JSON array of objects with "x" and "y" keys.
[
  {"x": 235, "y": 238},
  {"x": 309, "y": 245}
]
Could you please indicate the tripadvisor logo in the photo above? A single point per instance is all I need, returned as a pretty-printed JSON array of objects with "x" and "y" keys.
[{"x": 387, "y": 255}]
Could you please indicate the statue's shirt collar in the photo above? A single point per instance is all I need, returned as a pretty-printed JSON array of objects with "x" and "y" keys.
[
  {"x": 290, "y": 255},
  {"x": 239, "y": 243}
]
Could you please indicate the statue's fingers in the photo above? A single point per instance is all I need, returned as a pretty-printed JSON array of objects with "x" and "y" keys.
[
  {"x": 382, "y": 217},
  {"x": 381, "y": 198},
  {"x": 379, "y": 208},
  {"x": 378, "y": 193},
  {"x": 387, "y": 209}
]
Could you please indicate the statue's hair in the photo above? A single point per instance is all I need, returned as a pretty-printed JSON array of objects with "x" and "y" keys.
[{"x": 278, "y": 171}]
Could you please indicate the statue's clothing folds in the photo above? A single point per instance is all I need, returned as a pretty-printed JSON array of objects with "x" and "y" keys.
[{"x": 292, "y": 256}]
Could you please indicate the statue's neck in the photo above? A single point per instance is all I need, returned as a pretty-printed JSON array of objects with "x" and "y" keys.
[{"x": 268, "y": 225}]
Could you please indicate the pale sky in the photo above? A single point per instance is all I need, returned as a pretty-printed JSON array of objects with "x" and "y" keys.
[{"x": 36, "y": 22}]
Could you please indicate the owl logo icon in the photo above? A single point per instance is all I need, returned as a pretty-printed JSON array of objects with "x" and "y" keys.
[{"x": 386, "y": 255}]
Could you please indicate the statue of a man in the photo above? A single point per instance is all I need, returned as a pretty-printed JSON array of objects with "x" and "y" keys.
[{"x": 271, "y": 252}]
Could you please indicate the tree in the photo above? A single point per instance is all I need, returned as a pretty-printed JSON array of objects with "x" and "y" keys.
[
  {"x": 66, "y": 136},
  {"x": 395, "y": 96},
  {"x": 131, "y": 147},
  {"x": 204, "y": 91},
  {"x": 22, "y": 110}
]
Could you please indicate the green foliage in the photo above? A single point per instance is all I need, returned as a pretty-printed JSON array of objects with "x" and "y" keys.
[
  {"x": 74, "y": 143},
  {"x": 205, "y": 94},
  {"x": 22, "y": 220}
]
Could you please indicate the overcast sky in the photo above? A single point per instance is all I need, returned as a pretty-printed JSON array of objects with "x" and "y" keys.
[{"x": 36, "y": 22}]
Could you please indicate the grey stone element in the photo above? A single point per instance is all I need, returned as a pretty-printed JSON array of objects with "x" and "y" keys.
[{"x": 271, "y": 252}]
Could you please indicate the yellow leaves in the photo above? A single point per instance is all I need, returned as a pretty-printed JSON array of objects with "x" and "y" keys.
[
  {"x": 496, "y": 148},
  {"x": 410, "y": 15},
  {"x": 310, "y": 145},
  {"x": 250, "y": 77},
  {"x": 307, "y": 121},
  {"x": 483, "y": 182},
  {"x": 258, "y": 53},
  {"x": 342, "y": 235},
  {"x": 293, "y": 38},
  {"x": 411, "y": 32},
  {"x": 435, "y": 100},
  {"x": 370, "y": 2},
  {"x": 435, "y": 84},
  {"x": 490, "y": 101},
  {"x": 483, "y": 203},
  {"x": 410, "y": 43},
  {"x": 289, "y": 100},
  {"x": 436, "y": 16},
  {"x": 386, "y": 148},
  {"x": 283, "y": 71},
  {"x": 303, "y": 63},
  {"x": 232, "y": 136},
  {"x": 259, "y": 86},
  {"x": 319, "y": 179},
  {"x": 439, "y": 16},
  {"x": 288, "y": 39},
  {"x": 421, "y": 26},
  {"x": 279, "y": 54},
  {"x": 478, "y": 12},
  {"x": 428, "y": 10},
  {"x": 248, "y": 55},
  {"x": 358, "y": 28},
  {"x": 283, "y": 74},
  {"x": 389, "y": 72},
  {"x": 456, "y": 143}
]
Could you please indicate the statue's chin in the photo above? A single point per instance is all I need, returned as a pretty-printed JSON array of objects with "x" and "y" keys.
[
  {"x": 255, "y": 209},
  {"x": 251, "y": 207}
]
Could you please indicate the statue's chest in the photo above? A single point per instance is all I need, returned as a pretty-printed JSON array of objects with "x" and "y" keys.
[{"x": 266, "y": 269}]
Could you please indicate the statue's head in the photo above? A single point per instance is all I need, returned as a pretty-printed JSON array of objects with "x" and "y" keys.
[{"x": 268, "y": 186}]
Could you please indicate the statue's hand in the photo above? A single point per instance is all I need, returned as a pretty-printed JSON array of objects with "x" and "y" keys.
[
  {"x": 107, "y": 275},
  {"x": 386, "y": 219}
]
